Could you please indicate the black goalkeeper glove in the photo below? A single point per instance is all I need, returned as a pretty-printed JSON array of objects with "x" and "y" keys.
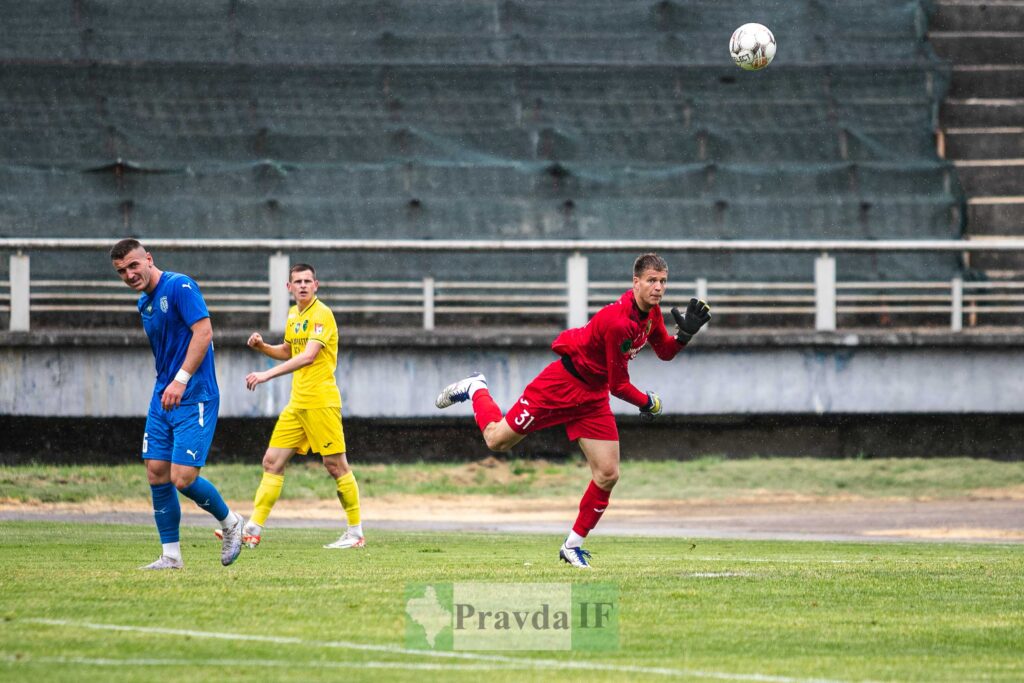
[
  {"x": 697, "y": 315},
  {"x": 652, "y": 410}
]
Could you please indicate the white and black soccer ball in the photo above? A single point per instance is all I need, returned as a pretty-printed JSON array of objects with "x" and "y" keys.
[{"x": 752, "y": 47}]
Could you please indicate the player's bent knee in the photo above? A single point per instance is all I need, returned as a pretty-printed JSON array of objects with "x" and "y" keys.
[
  {"x": 606, "y": 478},
  {"x": 182, "y": 480},
  {"x": 272, "y": 464},
  {"x": 498, "y": 445},
  {"x": 336, "y": 468},
  {"x": 500, "y": 437},
  {"x": 156, "y": 474}
]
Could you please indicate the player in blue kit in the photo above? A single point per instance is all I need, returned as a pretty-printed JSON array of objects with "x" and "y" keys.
[{"x": 183, "y": 411}]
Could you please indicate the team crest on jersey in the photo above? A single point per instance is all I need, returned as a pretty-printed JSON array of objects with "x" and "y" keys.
[
  {"x": 163, "y": 304},
  {"x": 318, "y": 328},
  {"x": 305, "y": 325}
]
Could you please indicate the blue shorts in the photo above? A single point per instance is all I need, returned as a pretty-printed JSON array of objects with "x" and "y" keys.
[{"x": 183, "y": 435}]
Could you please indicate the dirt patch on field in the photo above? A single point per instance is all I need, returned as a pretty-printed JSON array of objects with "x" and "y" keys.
[
  {"x": 944, "y": 533},
  {"x": 489, "y": 471},
  {"x": 1002, "y": 493},
  {"x": 477, "y": 508}
]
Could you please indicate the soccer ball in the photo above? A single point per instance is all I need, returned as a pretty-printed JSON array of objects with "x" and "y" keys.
[{"x": 752, "y": 47}]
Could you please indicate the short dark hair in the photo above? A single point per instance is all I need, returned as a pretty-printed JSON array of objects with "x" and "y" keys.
[
  {"x": 298, "y": 268},
  {"x": 125, "y": 247},
  {"x": 649, "y": 261}
]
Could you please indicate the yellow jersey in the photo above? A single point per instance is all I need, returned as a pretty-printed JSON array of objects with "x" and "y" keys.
[{"x": 314, "y": 386}]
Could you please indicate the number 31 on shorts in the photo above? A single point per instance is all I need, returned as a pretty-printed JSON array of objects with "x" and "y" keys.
[{"x": 524, "y": 420}]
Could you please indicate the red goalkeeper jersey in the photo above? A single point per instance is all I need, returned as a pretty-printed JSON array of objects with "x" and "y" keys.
[{"x": 600, "y": 351}]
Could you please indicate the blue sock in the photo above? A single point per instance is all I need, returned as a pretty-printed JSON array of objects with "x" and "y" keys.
[
  {"x": 207, "y": 497},
  {"x": 166, "y": 511}
]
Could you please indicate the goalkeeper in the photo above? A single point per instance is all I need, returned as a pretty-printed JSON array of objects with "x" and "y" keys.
[{"x": 574, "y": 389}]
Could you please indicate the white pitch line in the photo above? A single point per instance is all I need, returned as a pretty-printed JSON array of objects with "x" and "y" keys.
[
  {"x": 773, "y": 560},
  {"x": 498, "y": 659},
  {"x": 813, "y": 560}
]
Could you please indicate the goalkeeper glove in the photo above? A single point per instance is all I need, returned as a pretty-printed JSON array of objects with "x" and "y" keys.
[
  {"x": 697, "y": 315},
  {"x": 653, "y": 408}
]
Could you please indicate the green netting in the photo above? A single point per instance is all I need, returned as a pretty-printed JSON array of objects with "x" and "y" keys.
[
  {"x": 840, "y": 218},
  {"x": 89, "y": 148},
  {"x": 499, "y": 31},
  {"x": 330, "y": 266},
  {"x": 363, "y": 200},
  {"x": 455, "y": 180},
  {"x": 39, "y": 31},
  {"x": 793, "y": 267},
  {"x": 597, "y": 115},
  {"x": 451, "y": 32},
  {"x": 139, "y": 113},
  {"x": 489, "y": 119},
  {"x": 162, "y": 30}
]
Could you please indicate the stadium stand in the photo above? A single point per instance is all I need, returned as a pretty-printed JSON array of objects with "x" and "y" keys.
[
  {"x": 484, "y": 119},
  {"x": 981, "y": 119}
]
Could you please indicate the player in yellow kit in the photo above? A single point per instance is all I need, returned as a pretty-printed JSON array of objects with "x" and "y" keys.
[{"x": 311, "y": 422}]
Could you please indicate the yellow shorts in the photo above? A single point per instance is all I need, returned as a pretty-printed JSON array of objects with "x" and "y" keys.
[{"x": 309, "y": 429}]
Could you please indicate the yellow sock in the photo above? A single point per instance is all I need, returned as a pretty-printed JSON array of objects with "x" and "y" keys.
[
  {"x": 267, "y": 494},
  {"x": 348, "y": 494}
]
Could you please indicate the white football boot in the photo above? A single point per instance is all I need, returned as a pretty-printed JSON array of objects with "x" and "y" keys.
[
  {"x": 251, "y": 534},
  {"x": 348, "y": 540},
  {"x": 458, "y": 392},
  {"x": 231, "y": 542},
  {"x": 165, "y": 562},
  {"x": 577, "y": 557}
]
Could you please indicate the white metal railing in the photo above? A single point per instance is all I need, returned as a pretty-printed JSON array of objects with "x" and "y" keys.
[{"x": 819, "y": 298}]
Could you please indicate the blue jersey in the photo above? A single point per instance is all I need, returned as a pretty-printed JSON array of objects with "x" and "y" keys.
[{"x": 168, "y": 314}]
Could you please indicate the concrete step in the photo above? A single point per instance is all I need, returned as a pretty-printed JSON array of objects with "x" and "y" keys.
[
  {"x": 994, "y": 81},
  {"x": 984, "y": 143},
  {"x": 991, "y": 177},
  {"x": 978, "y": 16},
  {"x": 976, "y": 112},
  {"x": 996, "y": 216},
  {"x": 992, "y": 47}
]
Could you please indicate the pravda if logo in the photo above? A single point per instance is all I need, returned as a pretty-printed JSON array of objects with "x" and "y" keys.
[{"x": 512, "y": 616}]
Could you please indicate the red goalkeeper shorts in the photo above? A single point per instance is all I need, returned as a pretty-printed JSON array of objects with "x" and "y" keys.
[{"x": 555, "y": 397}]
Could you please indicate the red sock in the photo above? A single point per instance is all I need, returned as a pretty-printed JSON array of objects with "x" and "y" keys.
[
  {"x": 592, "y": 506},
  {"x": 485, "y": 410}
]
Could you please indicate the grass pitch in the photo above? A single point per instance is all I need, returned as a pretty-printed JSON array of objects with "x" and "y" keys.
[{"x": 74, "y": 607}]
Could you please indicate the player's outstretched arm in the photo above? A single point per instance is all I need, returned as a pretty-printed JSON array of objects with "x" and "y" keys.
[
  {"x": 665, "y": 345},
  {"x": 697, "y": 315},
  {"x": 276, "y": 351},
  {"x": 254, "y": 379}
]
